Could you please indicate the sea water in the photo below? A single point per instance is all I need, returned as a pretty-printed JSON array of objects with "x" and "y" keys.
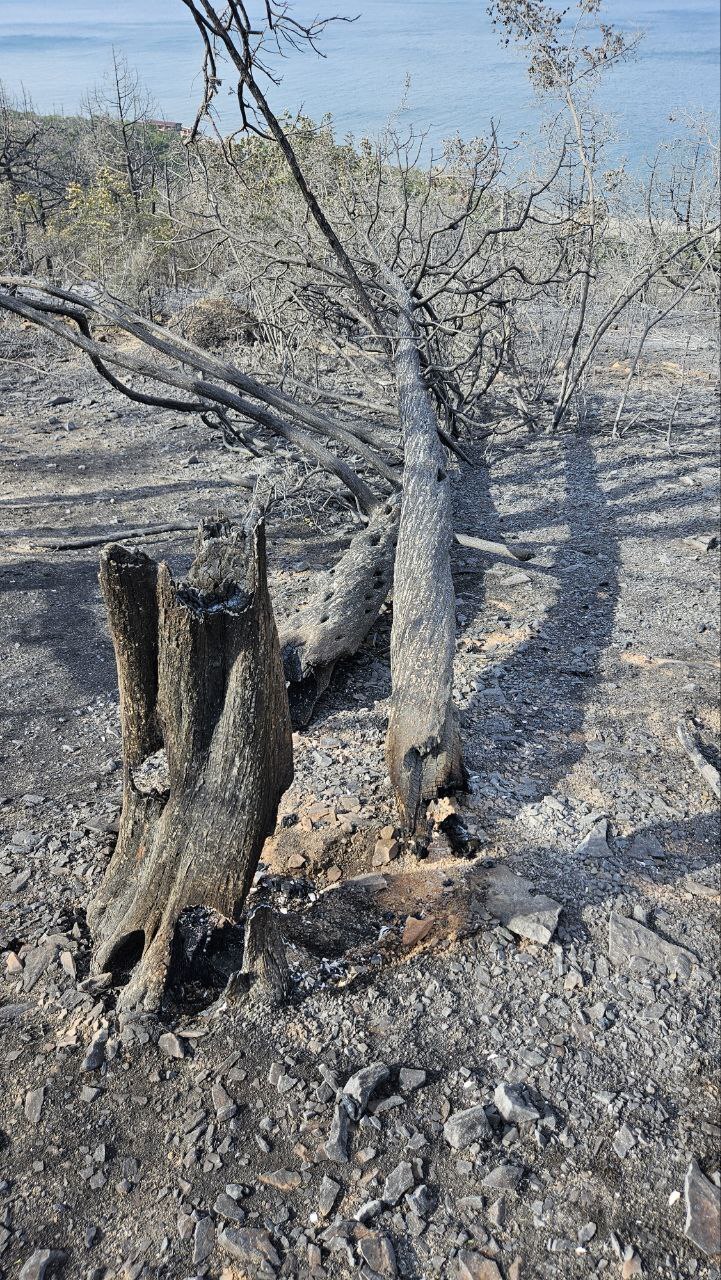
[{"x": 434, "y": 64}]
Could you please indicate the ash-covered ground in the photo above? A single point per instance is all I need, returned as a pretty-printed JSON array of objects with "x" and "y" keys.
[{"x": 540, "y": 1095}]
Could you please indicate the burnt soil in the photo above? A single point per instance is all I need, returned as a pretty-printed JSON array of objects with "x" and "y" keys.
[{"x": 573, "y": 670}]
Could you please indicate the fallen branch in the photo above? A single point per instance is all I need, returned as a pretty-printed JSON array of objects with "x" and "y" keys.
[
  {"x": 504, "y": 549},
  {"x": 113, "y": 535},
  {"x": 708, "y": 772},
  {"x": 340, "y": 613}
]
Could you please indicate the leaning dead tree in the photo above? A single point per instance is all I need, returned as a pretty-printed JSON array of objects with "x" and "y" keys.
[
  {"x": 423, "y": 748},
  {"x": 201, "y": 679}
]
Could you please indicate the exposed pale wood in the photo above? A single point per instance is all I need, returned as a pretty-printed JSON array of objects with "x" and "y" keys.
[
  {"x": 200, "y": 673},
  {"x": 503, "y": 549}
]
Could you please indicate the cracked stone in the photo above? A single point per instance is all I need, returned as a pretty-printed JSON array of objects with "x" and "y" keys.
[
  {"x": 473, "y": 1266},
  {"x": 628, "y": 940},
  {"x": 38, "y": 1263},
  {"x": 224, "y": 1106},
  {"x": 95, "y": 1055},
  {"x": 34, "y": 1099},
  {"x": 410, "y": 1079},
  {"x": 466, "y": 1127},
  {"x": 249, "y": 1245},
  {"x": 328, "y": 1195},
  {"x": 399, "y": 1181},
  {"x": 170, "y": 1046},
  {"x": 203, "y": 1240},
  {"x": 378, "y": 1253},
  {"x": 336, "y": 1148},
  {"x": 513, "y": 1106},
  {"x": 512, "y": 900}
]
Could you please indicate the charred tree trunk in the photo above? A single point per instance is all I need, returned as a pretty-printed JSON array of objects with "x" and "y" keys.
[
  {"x": 200, "y": 674},
  {"x": 264, "y": 957},
  {"x": 423, "y": 750},
  {"x": 339, "y": 615}
]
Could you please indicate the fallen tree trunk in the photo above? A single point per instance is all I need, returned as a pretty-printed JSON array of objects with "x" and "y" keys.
[
  {"x": 423, "y": 749},
  {"x": 200, "y": 675},
  {"x": 337, "y": 618}
]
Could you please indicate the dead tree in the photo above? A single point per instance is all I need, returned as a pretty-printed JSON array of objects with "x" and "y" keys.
[
  {"x": 200, "y": 676},
  {"x": 341, "y": 612},
  {"x": 423, "y": 749}
]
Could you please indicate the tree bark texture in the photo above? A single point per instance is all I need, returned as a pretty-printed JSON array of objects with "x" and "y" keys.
[
  {"x": 423, "y": 750},
  {"x": 200, "y": 674},
  {"x": 264, "y": 957},
  {"x": 340, "y": 613}
]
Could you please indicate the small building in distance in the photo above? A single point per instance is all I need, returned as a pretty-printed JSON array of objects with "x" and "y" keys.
[{"x": 167, "y": 126}]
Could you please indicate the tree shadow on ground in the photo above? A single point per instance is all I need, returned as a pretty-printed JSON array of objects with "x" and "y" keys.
[{"x": 544, "y": 685}]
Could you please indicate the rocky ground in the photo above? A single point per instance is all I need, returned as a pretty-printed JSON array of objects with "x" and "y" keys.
[{"x": 500, "y": 1061}]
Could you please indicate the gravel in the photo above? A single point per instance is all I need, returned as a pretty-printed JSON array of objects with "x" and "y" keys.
[{"x": 537, "y": 1074}]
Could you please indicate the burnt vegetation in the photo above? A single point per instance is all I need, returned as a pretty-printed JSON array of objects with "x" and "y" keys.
[{"x": 467, "y": 294}]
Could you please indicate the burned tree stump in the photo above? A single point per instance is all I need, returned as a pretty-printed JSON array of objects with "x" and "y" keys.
[
  {"x": 201, "y": 677},
  {"x": 423, "y": 749},
  {"x": 264, "y": 957}
]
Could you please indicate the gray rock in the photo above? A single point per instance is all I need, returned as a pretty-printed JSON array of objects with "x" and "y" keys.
[
  {"x": 624, "y": 1142},
  {"x": 410, "y": 1079},
  {"x": 513, "y": 1106},
  {"x": 594, "y": 846},
  {"x": 420, "y": 1202},
  {"x": 399, "y": 1181},
  {"x": 466, "y": 1127},
  {"x": 328, "y": 1195},
  {"x": 38, "y": 1263},
  {"x": 473, "y": 1266},
  {"x": 249, "y": 1245},
  {"x": 336, "y": 1148},
  {"x": 505, "y": 1177},
  {"x": 646, "y": 846},
  {"x": 224, "y": 1106},
  {"x": 170, "y": 1046},
  {"x": 703, "y": 1211},
  {"x": 12, "y": 1012},
  {"x": 284, "y": 1180},
  {"x": 498, "y": 1213},
  {"x": 95, "y": 1055},
  {"x": 629, "y": 940},
  {"x": 360, "y": 1087},
  {"x": 36, "y": 962},
  {"x": 381, "y": 1105},
  {"x": 377, "y": 1252},
  {"x": 369, "y": 1210},
  {"x": 203, "y": 1240},
  {"x": 511, "y": 900},
  {"x": 226, "y": 1207},
  {"x": 34, "y": 1099}
]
